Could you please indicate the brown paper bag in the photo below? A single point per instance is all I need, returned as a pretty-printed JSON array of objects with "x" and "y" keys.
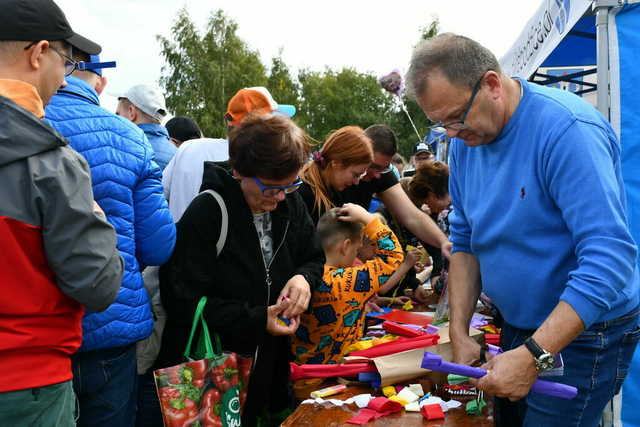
[{"x": 404, "y": 366}]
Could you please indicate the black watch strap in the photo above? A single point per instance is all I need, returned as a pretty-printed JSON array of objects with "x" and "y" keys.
[{"x": 534, "y": 348}]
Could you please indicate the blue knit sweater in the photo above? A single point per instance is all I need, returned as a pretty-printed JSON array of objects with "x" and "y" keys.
[{"x": 543, "y": 209}]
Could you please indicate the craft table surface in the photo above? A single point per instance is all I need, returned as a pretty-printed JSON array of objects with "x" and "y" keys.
[{"x": 328, "y": 415}]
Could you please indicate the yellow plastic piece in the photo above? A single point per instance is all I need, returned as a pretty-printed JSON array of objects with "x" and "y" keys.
[
  {"x": 408, "y": 306},
  {"x": 383, "y": 340},
  {"x": 389, "y": 391},
  {"x": 360, "y": 345},
  {"x": 399, "y": 400}
]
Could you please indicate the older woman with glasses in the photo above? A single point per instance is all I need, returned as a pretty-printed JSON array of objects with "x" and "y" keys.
[
  {"x": 265, "y": 267},
  {"x": 341, "y": 162}
]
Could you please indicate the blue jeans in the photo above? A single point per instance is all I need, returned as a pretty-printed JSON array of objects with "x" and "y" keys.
[
  {"x": 596, "y": 362},
  {"x": 105, "y": 383}
]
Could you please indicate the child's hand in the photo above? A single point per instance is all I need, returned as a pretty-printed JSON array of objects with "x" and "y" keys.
[
  {"x": 412, "y": 257},
  {"x": 371, "y": 307},
  {"x": 354, "y": 213}
]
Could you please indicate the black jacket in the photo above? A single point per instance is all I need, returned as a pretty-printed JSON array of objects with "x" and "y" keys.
[{"x": 236, "y": 281}]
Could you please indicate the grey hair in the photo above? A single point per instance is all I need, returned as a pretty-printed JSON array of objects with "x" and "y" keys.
[{"x": 461, "y": 60}]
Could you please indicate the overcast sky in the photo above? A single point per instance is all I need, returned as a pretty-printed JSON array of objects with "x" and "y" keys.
[{"x": 371, "y": 36}]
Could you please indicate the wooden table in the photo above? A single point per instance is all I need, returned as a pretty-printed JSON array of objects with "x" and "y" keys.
[{"x": 328, "y": 415}]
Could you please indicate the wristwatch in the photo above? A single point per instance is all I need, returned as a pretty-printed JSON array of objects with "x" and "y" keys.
[{"x": 544, "y": 360}]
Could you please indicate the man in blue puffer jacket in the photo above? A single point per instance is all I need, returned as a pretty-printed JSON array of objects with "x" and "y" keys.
[
  {"x": 145, "y": 106},
  {"x": 127, "y": 185}
]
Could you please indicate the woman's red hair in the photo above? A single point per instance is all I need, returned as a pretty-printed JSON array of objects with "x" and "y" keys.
[{"x": 347, "y": 146}]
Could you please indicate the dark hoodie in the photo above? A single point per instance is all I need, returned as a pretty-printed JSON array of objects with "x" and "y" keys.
[
  {"x": 236, "y": 282},
  {"x": 57, "y": 254}
]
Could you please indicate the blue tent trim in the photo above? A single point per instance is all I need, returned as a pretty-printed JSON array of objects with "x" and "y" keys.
[
  {"x": 578, "y": 47},
  {"x": 627, "y": 23}
]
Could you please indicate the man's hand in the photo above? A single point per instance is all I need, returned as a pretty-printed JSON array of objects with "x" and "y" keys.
[
  {"x": 509, "y": 375},
  {"x": 276, "y": 328},
  {"x": 351, "y": 212},
  {"x": 298, "y": 293},
  {"x": 446, "y": 249},
  {"x": 466, "y": 350}
]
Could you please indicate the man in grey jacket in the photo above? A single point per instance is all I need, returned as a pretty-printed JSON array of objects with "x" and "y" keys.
[{"x": 58, "y": 253}]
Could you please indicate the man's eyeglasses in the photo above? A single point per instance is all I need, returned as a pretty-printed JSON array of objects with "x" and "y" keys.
[
  {"x": 69, "y": 64},
  {"x": 458, "y": 125},
  {"x": 380, "y": 169},
  {"x": 274, "y": 190}
]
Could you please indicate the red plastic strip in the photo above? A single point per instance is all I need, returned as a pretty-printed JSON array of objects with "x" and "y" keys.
[
  {"x": 402, "y": 330},
  {"x": 406, "y": 317},
  {"x": 299, "y": 372},
  {"x": 397, "y": 346}
]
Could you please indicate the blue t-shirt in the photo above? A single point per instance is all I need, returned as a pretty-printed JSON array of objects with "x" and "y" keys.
[{"x": 543, "y": 209}]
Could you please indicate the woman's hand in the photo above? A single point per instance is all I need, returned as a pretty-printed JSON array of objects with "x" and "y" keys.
[
  {"x": 298, "y": 293},
  {"x": 274, "y": 327}
]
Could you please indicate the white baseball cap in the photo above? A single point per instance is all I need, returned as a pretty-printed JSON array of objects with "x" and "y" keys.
[{"x": 147, "y": 99}]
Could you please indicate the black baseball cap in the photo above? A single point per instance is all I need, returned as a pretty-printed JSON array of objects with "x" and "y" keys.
[
  {"x": 183, "y": 128},
  {"x": 35, "y": 20}
]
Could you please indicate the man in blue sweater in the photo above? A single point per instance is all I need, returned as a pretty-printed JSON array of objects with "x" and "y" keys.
[
  {"x": 540, "y": 225},
  {"x": 127, "y": 185},
  {"x": 144, "y": 106}
]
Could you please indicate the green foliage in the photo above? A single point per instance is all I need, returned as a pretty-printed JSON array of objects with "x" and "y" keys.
[
  {"x": 203, "y": 71},
  {"x": 333, "y": 99},
  {"x": 281, "y": 84}
]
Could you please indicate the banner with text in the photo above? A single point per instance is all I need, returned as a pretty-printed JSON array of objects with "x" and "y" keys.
[{"x": 544, "y": 31}]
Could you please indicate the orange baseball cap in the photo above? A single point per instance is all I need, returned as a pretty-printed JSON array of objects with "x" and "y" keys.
[{"x": 254, "y": 100}]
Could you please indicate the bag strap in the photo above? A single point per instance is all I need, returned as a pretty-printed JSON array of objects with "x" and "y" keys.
[
  {"x": 224, "y": 228},
  {"x": 205, "y": 336}
]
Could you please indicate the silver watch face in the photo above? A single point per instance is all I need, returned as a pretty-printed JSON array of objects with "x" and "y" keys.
[{"x": 545, "y": 362}]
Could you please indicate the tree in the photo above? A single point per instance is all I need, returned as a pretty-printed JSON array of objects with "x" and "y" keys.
[
  {"x": 281, "y": 84},
  {"x": 203, "y": 71},
  {"x": 333, "y": 99}
]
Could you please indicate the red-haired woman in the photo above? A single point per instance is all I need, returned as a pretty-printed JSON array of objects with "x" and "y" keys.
[{"x": 342, "y": 161}]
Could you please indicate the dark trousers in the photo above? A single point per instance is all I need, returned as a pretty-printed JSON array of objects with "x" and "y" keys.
[
  {"x": 149, "y": 413},
  {"x": 105, "y": 384}
]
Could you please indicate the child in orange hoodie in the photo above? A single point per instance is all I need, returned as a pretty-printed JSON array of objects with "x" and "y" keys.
[{"x": 336, "y": 316}]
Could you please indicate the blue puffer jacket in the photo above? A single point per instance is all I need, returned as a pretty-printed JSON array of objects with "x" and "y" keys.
[
  {"x": 127, "y": 186},
  {"x": 159, "y": 139}
]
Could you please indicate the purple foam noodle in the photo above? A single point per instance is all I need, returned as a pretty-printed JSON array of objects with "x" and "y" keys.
[
  {"x": 431, "y": 329},
  {"x": 493, "y": 349},
  {"x": 435, "y": 363}
]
